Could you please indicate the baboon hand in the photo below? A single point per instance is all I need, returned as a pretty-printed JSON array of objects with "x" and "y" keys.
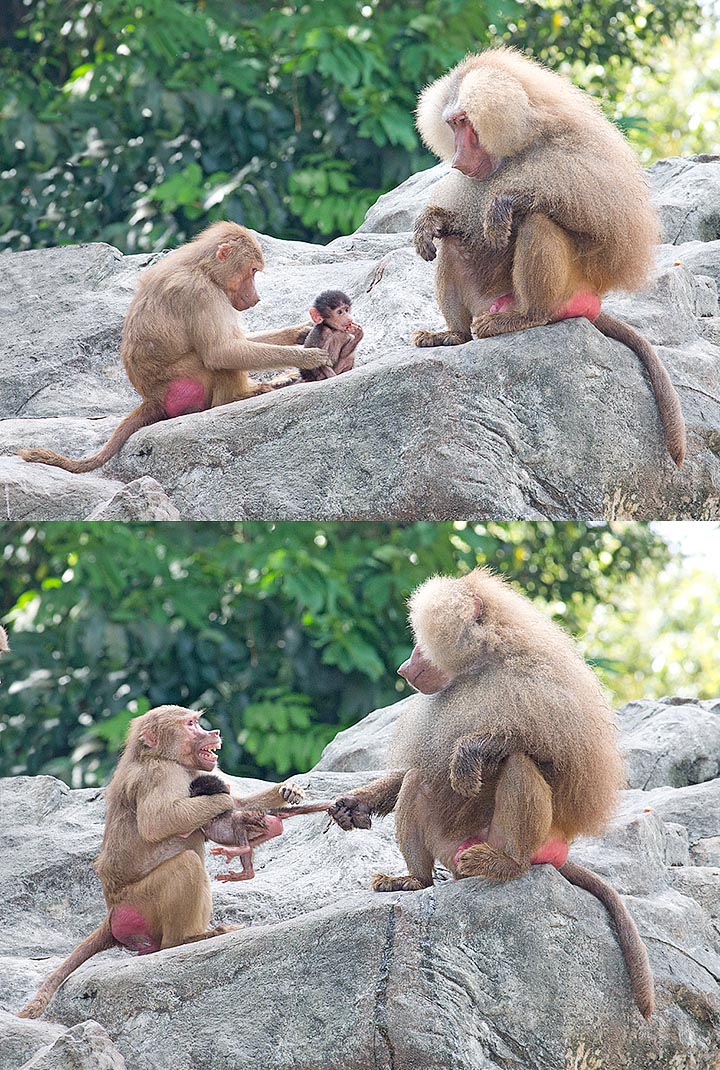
[
  {"x": 291, "y": 793},
  {"x": 473, "y": 756},
  {"x": 312, "y": 358},
  {"x": 433, "y": 222},
  {"x": 497, "y": 225},
  {"x": 349, "y": 812}
]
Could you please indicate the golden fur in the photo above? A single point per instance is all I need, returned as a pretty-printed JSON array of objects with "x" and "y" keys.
[
  {"x": 152, "y": 858},
  {"x": 558, "y": 214},
  {"x": 183, "y": 326},
  {"x": 509, "y": 755},
  {"x": 517, "y": 677}
]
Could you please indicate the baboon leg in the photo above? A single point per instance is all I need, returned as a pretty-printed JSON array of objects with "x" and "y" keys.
[
  {"x": 174, "y": 901},
  {"x": 543, "y": 277},
  {"x": 521, "y": 824},
  {"x": 412, "y": 820},
  {"x": 235, "y": 385},
  {"x": 451, "y": 275}
]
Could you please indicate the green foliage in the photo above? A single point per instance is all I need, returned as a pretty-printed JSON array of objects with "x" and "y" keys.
[
  {"x": 284, "y": 632},
  {"x": 139, "y": 123}
]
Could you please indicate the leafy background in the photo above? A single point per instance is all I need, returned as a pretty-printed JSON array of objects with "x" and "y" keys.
[
  {"x": 287, "y": 633},
  {"x": 139, "y": 123}
]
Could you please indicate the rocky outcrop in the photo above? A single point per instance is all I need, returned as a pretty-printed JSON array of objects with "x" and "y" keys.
[
  {"x": 327, "y": 975},
  {"x": 556, "y": 422}
]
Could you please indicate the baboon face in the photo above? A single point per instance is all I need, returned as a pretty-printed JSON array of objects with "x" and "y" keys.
[
  {"x": 175, "y": 733},
  {"x": 446, "y": 617},
  {"x": 240, "y": 262}
]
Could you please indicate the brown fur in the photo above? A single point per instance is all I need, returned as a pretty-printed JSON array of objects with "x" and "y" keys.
[
  {"x": 183, "y": 324},
  {"x": 518, "y": 749},
  {"x": 565, "y": 209},
  {"x": 329, "y": 335}
]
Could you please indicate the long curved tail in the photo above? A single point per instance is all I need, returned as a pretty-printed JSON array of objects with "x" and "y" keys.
[
  {"x": 633, "y": 949},
  {"x": 668, "y": 402},
  {"x": 147, "y": 413},
  {"x": 100, "y": 940}
]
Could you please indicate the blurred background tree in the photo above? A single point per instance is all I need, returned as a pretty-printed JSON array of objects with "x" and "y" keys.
[
  {"x": 287, "y": 633},
  {"x": 139, "y": 123}
]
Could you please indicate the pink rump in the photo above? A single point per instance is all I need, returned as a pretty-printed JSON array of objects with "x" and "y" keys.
[
  {"x": 582, "y": 303},
  {"x": 184, "y": 395},
  {"x": 552, "y": 852},
  {"x": 130, "y": 929}
]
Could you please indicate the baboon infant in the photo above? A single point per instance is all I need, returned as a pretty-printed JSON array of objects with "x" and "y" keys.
[
  {"x": 506, "y": 756},
  {"x": 335, "y": 331},
  {"x": 240, "y": 831}
]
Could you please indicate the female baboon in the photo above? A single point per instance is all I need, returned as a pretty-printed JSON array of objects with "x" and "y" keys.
[
  {"x": 507, "y": 757},
  {"x": 183, "y": 345},
  {"x": 152, "y": 862},
  {"x": 545, "y": 210}
]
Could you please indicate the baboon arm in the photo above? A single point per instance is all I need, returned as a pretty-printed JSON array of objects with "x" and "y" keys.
[
  {"x": 378, "y": 797},
  {"x": 286, "y": 336},
  {"x": 434, "y": 222},
  {"x": 160, "y": 816},
  {"x": 235, "y": 352},
  {"x": 264, "y": 798},
  {"x": 473, "y": 756}
]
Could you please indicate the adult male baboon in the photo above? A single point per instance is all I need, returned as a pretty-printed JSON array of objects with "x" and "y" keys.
[
  {"x": 545, "y": 210},
  {"x": 183, "y": 345},
  {"x": 507, "y": 756},
  {"x": 152, "y": 861}
]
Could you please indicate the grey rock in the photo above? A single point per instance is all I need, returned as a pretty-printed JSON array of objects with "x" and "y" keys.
[
  {"x": 327, "y": 975},
  {"x": 396, "y": 211},
  {"x": 686, "y": 192},
  {"x": 28, "y": 492},
  {"x": 21, "y": 1039},
  {"x": 556, "y": 422},
  {"x": 365, "y": 745},
  {"x": 143, "y": 499},
  {"x": 61, "y": 312},
  {"x": 670, "y": 741},
  {"x": 84, "y": 1047}
]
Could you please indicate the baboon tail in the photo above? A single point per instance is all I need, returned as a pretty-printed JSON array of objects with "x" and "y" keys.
[
  {"x": 147, "y": 413},
  {"x": 633, "y": 949},
  {"x": 668, "y": 402},
  {"x": 99, "y": 940}
]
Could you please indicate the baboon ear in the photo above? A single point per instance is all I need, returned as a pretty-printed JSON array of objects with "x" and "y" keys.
[
  {"x": 478, "y": 607},
  {"x": 315, "y": 316},
  {"x": 224, "y": 251},
  {"x": 149, "y": 737}
]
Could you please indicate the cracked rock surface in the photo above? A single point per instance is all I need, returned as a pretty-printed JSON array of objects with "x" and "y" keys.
[
  {"x": 556, "y": 422},
  {"x": 327, "y": 975}
]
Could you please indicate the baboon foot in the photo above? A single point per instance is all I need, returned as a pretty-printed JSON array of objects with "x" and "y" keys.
[
  {"x": 482, "y": 860},
  {"x": 491, "y": 324},
  {"x": 280, "y": 381},
  {"x": 233, "y": 875},
  {"x": 258, "y": 388},
  {"x": 219, "y": 930},
  {"x": 381, "y": 882},
  {"x": 425, "y": 339}
]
